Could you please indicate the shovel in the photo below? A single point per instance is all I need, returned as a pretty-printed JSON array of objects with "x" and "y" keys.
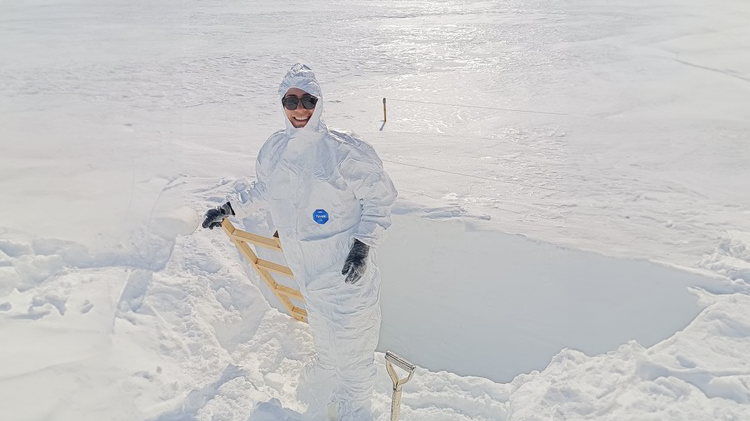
[{"x": 392, "y": 359}]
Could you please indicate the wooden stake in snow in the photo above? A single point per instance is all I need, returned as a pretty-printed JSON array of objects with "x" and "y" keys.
[
  {"x": 385, "y": 115},
  {"x": 284, "y": 293}
]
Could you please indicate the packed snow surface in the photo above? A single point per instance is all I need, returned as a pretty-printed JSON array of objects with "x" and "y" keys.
[{"x": 571, "y": 240}]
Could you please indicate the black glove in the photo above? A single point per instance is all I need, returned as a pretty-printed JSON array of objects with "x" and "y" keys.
[
  {"x": 214, "y": 217},
  {"x": 356, "y": 262}
]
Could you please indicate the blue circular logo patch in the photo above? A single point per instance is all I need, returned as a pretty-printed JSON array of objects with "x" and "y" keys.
[{"x": 320, "y": 216}]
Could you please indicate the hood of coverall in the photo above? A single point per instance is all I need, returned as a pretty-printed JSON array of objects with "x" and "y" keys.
[{"x": 302, "y": 77}]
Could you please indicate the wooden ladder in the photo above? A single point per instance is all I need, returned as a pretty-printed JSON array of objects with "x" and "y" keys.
[{"x": 264, "y": 268}]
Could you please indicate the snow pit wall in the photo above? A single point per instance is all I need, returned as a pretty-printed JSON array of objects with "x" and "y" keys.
[{"x": 494, "y": 305}]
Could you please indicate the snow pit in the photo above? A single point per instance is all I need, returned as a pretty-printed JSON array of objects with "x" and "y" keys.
[{"x": 490, "y": 304}]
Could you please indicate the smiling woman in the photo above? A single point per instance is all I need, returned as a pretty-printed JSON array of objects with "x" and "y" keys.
[{"x": 298, "y": 106}]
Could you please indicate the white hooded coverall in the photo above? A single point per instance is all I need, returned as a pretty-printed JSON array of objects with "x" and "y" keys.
[{"x": 323, "y": 189}]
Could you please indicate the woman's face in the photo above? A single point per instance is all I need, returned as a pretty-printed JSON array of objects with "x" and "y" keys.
[{"x": 299, "y": 116}]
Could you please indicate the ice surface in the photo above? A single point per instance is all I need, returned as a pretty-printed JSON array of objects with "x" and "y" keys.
[{"x": 121, "y": 122}]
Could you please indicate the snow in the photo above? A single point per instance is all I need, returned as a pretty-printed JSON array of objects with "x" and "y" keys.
[{"x": 586, "y": 256}]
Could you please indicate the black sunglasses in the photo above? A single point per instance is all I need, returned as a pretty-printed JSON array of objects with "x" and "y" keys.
[{"x": 291, "y": 102}]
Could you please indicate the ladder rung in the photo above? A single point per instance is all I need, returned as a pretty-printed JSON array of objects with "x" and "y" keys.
[
  {"x": 300, "y": 312},
  {"x": 256, "y": 239},
  {"x": 289, "y": 292},
  {"x": 275, "y": 267}
]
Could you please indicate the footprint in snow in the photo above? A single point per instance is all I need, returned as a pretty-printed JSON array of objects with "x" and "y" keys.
[{"x": 86, "y": 307}]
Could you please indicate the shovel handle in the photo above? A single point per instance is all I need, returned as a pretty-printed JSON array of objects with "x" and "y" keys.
[{"x": 392, "y": 359}]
